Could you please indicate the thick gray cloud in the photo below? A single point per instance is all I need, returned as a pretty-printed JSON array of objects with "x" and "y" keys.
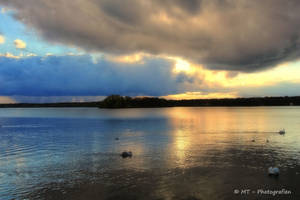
[{"x": 239, "y": 35}]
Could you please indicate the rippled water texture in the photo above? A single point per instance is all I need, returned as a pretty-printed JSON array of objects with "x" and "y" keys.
[{"x": 178, "y": 153}]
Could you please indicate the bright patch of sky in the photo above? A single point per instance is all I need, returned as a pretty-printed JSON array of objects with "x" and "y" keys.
[{"x": 11, "y": 29}]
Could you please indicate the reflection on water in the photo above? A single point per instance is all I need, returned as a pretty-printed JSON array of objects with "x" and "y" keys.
[{"x": 178, "y": 153}]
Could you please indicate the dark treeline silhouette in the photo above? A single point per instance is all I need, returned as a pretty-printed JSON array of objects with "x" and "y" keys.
[{"x": 117, "y": 101}]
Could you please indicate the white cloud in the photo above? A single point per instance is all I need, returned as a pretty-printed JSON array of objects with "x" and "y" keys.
[
  {"x": 2, "y": 39},
  {"x": 9, "y": 55},
  {"x": 20, "y": 44},
  {"x": 21, "y": 55},
  {"x": 3, "y": 10}
]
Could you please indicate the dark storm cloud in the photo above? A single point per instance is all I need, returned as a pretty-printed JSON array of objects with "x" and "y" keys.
[
  {"x": 239, "y": 35},
  {"x": 80, "y": 76}
]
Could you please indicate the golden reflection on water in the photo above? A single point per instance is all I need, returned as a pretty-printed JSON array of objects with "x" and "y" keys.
[
  {"x": 180, "y": 147},
  {"x": 197, "y": 132}
]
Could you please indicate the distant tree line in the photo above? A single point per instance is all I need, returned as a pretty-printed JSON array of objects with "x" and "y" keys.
[
  {"x": 117, "y": 101},
  {"x": 255, "y": 101}
]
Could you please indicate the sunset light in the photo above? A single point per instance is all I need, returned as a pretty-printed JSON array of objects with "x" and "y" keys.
[{"x": 149, "y": 99}]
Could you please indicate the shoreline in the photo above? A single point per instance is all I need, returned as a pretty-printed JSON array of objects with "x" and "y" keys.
[
  {"x": 117, "y": 101},
  {"x": 249, "y": 106}
]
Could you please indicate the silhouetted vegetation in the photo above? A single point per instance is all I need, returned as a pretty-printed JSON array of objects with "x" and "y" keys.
[
  {"x": 117, "y": 101},
  {"x": 256, "y": 101}
]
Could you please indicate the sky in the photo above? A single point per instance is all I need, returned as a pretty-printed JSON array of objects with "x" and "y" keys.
[{"x": 84, "y": 50}]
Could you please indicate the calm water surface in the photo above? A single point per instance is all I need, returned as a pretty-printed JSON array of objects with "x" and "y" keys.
[{"x": 178, "y": 153}]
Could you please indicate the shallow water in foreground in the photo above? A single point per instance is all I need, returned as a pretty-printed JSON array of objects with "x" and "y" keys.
[{"x": 178, "y": 153}]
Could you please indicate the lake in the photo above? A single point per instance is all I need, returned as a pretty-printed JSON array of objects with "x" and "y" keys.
[{"x": 214, "y": 153}]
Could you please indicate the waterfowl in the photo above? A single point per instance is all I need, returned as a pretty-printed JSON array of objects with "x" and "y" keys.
[
  {"x": 273, "y": 171},
  {"x": 126, "y": 154},
  {"x": 282, "y": 131}
]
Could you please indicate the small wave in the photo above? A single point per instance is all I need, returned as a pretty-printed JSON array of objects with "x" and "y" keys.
[
  {"x": 239, "y": 132},
  {"x": 23, "y": 126}
]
